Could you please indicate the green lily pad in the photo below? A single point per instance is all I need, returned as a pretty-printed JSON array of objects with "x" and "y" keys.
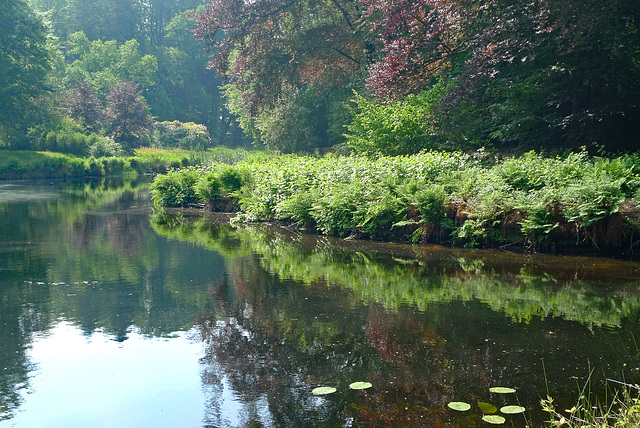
[
  {"x": 323, "y": 390},
  {"x": 502, "y": 390},
  {"x": 360, "y": 385},
  {"x": 494, "y": 419},
  {"x": 487, "y": 408},
  {"x": 512, "y": 410},
  {"x": 460, "y": 406}
]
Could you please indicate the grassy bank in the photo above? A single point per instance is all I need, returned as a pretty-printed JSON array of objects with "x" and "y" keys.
[
  {"x": 18, "y": 165},
  {"x": 532, "y": 201}
]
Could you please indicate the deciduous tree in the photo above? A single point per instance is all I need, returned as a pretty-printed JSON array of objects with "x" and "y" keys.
[
  {"x": 24, "y": 61},
  {"x": 267, "y": 50},
  {"x": 82, "y": 104},
  {"x": 127, "y": 114}
]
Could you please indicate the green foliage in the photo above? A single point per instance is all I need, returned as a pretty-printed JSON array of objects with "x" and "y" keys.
[
  {"x": 208, "y": 188},
  {"x": 232, "y": 178},
  {"x": 28, "y": 164},
  {"x": 297, "y": 209},
  {"x": 100, "y": 146},
  {"x": 69, "y": 137},
  {"x": 188, "y": 136},
  {"x": 219, "y": 183},
  {"x": 176, "y": 188},
  {"x": 619, "y": 409},
  {"x": 531, "y": 201},
  {"x": 105, "y": 64},
  {"x": 291, "y": 124},
  {"x": 400, "y": 128},
  {"x": 25, "y": 61}
]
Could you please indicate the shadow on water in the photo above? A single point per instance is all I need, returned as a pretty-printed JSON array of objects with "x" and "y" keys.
[{"x": 274, "y": 314}]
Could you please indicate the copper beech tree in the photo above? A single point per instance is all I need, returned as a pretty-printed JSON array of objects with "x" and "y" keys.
[{"x": 523, "y": 72}]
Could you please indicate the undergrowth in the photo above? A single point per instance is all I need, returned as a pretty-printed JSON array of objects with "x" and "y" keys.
[{"x": 532, "y": 201}]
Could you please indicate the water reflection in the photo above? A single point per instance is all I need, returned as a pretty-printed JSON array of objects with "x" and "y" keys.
[
  {"x": 426, "y": 326},
  {"x": 129, "y": 389},
  {"x": 186, "y": 321},
  {"x": 595, "y": 292},
  {"x": 88, "y": 257}
]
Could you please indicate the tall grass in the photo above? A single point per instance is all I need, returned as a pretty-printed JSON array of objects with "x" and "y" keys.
[{"x": 621, "y": 410}]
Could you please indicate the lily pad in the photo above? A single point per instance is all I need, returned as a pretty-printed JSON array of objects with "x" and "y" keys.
[
  {"x": 512, "y": 410},
  {"x": 323, "y": 390},
  {"x": 502, "y": 390},
  {"x": 460, "y": 406},
  {"x": 494, "y": 419},
  {"x": 360, "y": 385},
  {"x": 487, "y": 408}
]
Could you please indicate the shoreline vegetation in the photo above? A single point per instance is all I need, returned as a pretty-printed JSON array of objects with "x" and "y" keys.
[
  {"x": 25, "y": 165},
  {"x": 575, "y": 203}
]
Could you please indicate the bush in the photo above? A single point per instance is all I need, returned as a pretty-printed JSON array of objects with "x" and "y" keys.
[
  {"x": 176, "y": 188},
  {"x": 525, "y": 200},
  {"x": 223, "y": 182},
  {"x": 208, "y": 188},
  {"x": 178, "y": 135},
  {"x": 400, "y": 128},
  {"x": 100, "y": 146}
]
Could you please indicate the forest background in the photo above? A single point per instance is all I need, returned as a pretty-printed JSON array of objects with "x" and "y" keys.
[{"x": 378, "y": 77}]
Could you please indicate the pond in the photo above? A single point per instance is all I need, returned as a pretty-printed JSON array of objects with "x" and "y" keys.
[{"x": 116, "y": 315}]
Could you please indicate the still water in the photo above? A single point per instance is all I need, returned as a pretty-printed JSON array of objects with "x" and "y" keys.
[{"x": 112, "y": 315}]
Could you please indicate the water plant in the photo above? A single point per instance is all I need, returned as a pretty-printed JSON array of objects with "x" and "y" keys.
[
  {"x": 323, "y": 390},
  {"x": 460, "y": 406},
  {"x": 489, "y": 410},
  {"x": 360, "y": 385}
]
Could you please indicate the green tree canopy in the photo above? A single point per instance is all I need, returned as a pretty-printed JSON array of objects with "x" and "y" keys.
[
  {"x": 24, "y": 61},
  {"x": 105, "y": 64}
]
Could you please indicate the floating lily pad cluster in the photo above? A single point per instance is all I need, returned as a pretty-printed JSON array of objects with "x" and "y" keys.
[
  {"x": 488, "y": 409},
  {"x": 324, "y": 390}
]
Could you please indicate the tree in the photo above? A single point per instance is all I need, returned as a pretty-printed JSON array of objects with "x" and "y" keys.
[
  {"x": 24, "y": 61},
  {"x": 128, "y": 117},
  {"x": 105, "y": 64},
  {"x": 266, "y": 50},
  {"x": 530, "y": 73},
  {"x": 82, "y": 104},
  {"x": 103, "y": 19},
  {"x": 186, "y": 90}
]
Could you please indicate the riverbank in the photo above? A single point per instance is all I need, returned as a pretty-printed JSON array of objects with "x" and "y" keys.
[
  {"x": 574, "y": 203},
  {"x": 21, "y": 165}
]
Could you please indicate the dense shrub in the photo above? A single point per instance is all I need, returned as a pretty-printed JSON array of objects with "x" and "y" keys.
[
  {"x": 100, "y": 146},
  {"x": 176, "y": 188},
  {"x": 218, "y": 187},
  {"x": 67, "y": 141},
  {"x": 29, "y": 164},
  {"x": 401, "y": 127},
  {"x": 180, "y": 135},
  {"x": 531, "y": 201}
]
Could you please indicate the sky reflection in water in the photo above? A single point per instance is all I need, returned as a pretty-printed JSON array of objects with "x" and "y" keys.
[{"x": 95, "y": 381}]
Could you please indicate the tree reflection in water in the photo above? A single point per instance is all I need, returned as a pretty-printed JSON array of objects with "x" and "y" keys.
[{"x": 292, "y": 317}]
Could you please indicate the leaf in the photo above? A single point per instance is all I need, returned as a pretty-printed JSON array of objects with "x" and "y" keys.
[
  {"x": 459, "y": 406},
  {"x": 494, "y": 419},
  {"x": 502, "y": 390},
  {"x": 487, "y": 407},
  {"x": 360, "y": 385},
  {"x": 323, "y": 390},
  {"x": 512, "y": 410}
]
